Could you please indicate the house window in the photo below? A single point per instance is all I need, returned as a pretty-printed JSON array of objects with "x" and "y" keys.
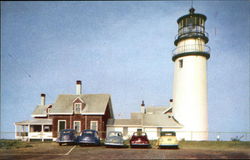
[
  {"x": 94, "y": 125},
  {"x": 47, "y": 128},
  {"x": 77, "y": 108},
  {"x": 77, "y": 126},
  {"x": 35, "y": 128},
  {"x": 125, "y": 131},
  {"x": 139, "y": 130},
  {"x": 181, "y": 63},
  {"x": 61, "y": 125}
]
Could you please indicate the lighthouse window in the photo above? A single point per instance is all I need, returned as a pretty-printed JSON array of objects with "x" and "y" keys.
[
  {"x": 190, "y": 21},
  {"x": 181, "y": 63}
]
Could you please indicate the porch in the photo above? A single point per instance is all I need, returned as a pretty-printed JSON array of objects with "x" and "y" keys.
[{"x": 35, "y": 129}]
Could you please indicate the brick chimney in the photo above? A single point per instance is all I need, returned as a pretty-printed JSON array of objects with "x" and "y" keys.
[
  {"x": 43, "y": 99},
  {"x": 78, "y": 87}
]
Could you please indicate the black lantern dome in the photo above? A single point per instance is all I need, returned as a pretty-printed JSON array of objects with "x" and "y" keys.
[{"x": 191, "y": 25}]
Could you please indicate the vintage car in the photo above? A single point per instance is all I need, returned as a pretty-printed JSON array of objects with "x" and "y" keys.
[
  {"x": 67, "y": 136},
  {"x": 88, "y": 137},
  {"x": 167, "y": 139},
  {"x": 139, "y": 139},
  {"x": 114, "y": 138}
]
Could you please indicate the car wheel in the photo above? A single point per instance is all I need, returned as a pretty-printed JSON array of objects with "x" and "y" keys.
[{"x": 60, "y": 144}]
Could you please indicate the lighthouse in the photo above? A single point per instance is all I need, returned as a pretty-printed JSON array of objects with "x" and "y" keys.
[{"x": 190, "y": 76}]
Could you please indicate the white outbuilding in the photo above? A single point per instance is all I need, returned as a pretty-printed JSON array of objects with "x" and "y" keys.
[{"x": 151, "y": 119}]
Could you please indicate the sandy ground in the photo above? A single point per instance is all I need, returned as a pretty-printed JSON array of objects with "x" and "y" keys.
[{"x": 43, "y": 151}]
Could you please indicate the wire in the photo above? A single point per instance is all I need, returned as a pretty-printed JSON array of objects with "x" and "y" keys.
[
  {"x": 29, "y": 75},
  {"x": 26, "y": 72}
]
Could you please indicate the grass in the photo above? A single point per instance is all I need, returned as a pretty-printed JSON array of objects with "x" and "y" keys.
[
  {"x": 212, "y": 145},
  {"x": 215, "y": 145},
  {"x": 10, "y": 144},
  {"x": 205, "y": 145}
]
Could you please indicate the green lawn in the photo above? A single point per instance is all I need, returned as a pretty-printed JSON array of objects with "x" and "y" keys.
[
  {"x": 214, "y": 145},
  {"x": 211, "y": 145},
  {"x": 10, "y": 144}
]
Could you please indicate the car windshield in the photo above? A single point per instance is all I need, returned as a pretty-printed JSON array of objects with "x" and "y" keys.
[
  {"x": 112, "y": 134},
  {"x": 168, "y": 133},
  {"x": 67, "y": 131},
  {"x": 140, "y": 134},
  {"x": 87, "y": 133}
]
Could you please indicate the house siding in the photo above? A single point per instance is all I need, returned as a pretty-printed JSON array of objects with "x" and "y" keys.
[{"x": 85, "y": 122}]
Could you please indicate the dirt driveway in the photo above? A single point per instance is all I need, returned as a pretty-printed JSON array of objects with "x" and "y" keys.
[{"x": 43, "y": 151}]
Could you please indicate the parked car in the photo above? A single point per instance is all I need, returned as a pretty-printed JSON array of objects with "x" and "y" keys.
[
  {"x": 168, "y": 139},
  {"x": 114, "y": 138},
  {"x": 67, "y": 136},
  {"x": 139, "y": 139},
  {"x": 88, "y": 137}
]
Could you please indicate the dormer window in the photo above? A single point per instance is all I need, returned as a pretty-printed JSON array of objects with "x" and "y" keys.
[{"x": 77, "y": 108}]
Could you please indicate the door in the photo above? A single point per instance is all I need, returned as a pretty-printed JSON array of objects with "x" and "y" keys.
[{"x": 77, "y": 126}]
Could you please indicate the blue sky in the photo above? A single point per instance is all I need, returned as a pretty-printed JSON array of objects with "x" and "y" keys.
[{"x": 120, "y": 48}]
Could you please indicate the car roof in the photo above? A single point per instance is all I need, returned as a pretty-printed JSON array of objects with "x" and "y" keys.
[
  {"x": 115, "y": 132},
  {"x": 89, "y": 130},
  {"x": 68, "y": 130}
]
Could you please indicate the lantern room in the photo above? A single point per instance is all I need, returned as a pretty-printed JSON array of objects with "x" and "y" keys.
[
  {"x": 191, "y": 25},
  {"x": 192, "y": 37}
]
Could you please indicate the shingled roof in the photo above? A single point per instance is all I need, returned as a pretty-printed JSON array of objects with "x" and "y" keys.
[
  {"x": 35, "y": 121},
  {"x": 154, "y": 117},
  {"x": 159, "y": 120},
  {"x": 124, "y": 122},
  {"x": 155, "y": 110},
  {"x": 40, "y": 111},
  {"x": 95, "y": 104}
]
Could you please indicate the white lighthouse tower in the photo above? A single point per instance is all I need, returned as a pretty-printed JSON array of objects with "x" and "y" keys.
[{"x": 190, "y": 76}]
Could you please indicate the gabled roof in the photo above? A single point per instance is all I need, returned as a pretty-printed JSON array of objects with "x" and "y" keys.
[
  {"x": 153, "y": 117},
  {"x": 169, "y": 109},
  {"x": 155, "y": 110},
  {"x": 124, "y": 122},
  {"x": 95, "y": 104},
  {"x": 35, "y": 121},
  {"x": 40, "y": 111},
  {"x": 159, "y": 120},
  {"x": 136, "y": 115}
]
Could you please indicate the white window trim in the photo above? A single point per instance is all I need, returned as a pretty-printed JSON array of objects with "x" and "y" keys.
[
  {"x": 58, "y": 122},
  {"x": 92, "y": 113},
  {"x": 80, "y": 108},
  {"x": 79, "y": 126},
  {"x": 60, "y": 113},
  {"x": 96, "y": 125},
  {"x": 77, "y": 99},
  {"x": 39, "y": 115}
]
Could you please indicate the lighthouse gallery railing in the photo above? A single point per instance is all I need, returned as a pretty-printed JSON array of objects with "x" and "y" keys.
[{"x": 191, "y": 48}]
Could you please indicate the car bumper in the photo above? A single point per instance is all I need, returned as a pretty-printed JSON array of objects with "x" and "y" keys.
[
  {"x": 66, "y": 141},
  {"x": 88, "y": 142},
  {"x": 113, "y": 144},
  {"x": 138, "y": 144},
  {"x": 168, "y": 145}
]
